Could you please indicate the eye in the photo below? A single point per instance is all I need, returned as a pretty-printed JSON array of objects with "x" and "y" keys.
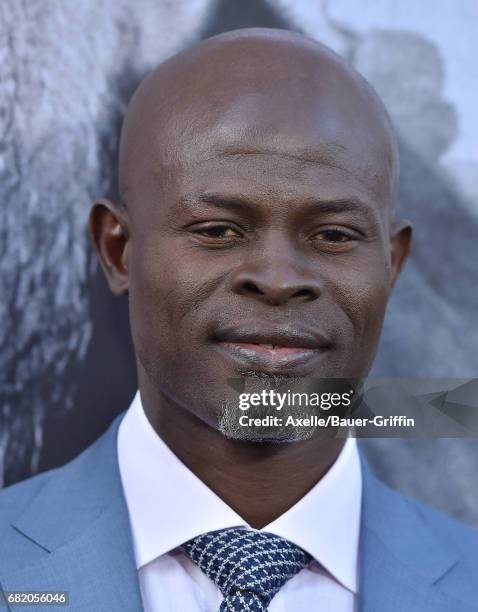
[
  {"x": 334, "y": 235},
  {"x": 217, "y": 231},
  {"x": 335, "y": 239}
]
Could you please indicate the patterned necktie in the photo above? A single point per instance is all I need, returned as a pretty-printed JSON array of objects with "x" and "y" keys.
[{"x": 249, "y": 567}]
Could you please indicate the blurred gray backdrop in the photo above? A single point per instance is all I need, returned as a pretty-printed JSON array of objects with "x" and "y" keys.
[{"x": 67, "y": 71}]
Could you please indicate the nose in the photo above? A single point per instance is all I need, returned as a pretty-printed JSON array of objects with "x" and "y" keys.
[{"x": 276, "y": 279}]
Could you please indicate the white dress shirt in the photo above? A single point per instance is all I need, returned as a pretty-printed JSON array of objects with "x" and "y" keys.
[{"x": 168, "y": 505}]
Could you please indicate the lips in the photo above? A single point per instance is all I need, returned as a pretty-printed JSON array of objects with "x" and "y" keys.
[{"x": 272, "y": 349}]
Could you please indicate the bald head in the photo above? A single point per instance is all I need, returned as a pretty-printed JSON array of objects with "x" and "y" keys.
[{"x": 257, "y": 91}]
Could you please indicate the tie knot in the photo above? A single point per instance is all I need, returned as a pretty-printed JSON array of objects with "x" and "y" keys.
[{"x": 249, "y": 567}]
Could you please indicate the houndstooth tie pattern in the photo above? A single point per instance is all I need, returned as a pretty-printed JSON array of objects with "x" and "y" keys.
[{"x": 249, "y": 567}]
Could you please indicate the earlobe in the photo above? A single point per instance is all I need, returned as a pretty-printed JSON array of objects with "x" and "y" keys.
[
  {"x": 401, "y": 242},
  {"x": 109, "y": 233}
]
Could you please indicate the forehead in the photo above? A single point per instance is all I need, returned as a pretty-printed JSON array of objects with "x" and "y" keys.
[
  {"x": 287, "y": 123},
  {"x": 279, "y": 160}
]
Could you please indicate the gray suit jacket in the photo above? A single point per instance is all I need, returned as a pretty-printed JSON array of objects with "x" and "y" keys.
[{"x": 68, "y": 530}]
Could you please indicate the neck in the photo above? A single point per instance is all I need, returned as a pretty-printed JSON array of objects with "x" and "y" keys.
[{"x": 260, "y": 481}]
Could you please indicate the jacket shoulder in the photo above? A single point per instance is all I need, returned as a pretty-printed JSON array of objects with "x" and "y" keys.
[
  {"x": 100, "y": 454},
  {"x": 461, "y": 537},
  {"x": 14, "y": 548},
  {"x": 17, "y": 496},
  {"x": 45, "y": 511},
  {"x": 430, "y": 543},
  {"x": 428, "y": 523}
]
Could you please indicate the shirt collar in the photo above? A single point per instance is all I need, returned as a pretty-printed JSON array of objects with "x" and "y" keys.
[
  {"x": 326, "y": 521},
  {"x": 168, "y": 505}
]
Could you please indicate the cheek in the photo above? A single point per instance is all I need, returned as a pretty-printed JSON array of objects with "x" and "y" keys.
[
  {"x": 169, "y": 288},
  {"x": 363, "y": 295},
  {"x": 158, "y": 294}
]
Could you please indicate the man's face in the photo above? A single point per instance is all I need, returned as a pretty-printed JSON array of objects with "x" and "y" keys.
[{"x": 259, "y": 245}]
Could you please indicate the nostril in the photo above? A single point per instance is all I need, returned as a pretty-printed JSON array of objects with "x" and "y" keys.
[
  {"x": 305, "y": 294},
  {"x": 251, "y": 288}
]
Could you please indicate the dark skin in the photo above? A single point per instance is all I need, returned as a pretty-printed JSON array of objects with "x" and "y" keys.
[{"x": 257, "y": 174}]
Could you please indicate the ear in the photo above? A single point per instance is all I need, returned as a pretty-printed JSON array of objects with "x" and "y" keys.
[
  {"x": 109, "y": 232},
  {"x": 400, "y": 242}
]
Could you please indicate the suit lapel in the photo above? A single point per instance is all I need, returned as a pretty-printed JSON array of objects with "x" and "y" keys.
[
  {"x": 401, "y": 561},
  {"x": 80, "y": 520}
]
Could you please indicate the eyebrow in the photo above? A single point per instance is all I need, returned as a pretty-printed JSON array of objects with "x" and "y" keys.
[{"x": 352, "y": 204}]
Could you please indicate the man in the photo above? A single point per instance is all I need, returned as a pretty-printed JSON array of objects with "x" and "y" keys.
[{"x": 257, "y": 241}]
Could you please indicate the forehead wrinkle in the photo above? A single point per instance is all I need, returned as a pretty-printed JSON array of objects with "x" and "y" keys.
[
  {"x": 306, "y": 159},
  {"x": 303, "y": 157}
]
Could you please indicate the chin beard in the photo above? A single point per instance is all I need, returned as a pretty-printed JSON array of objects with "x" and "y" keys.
[
  {"x": 289, "y": 409},
  {"x": 231, "y": 428},
  {"x": 277, "y": 433}
]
